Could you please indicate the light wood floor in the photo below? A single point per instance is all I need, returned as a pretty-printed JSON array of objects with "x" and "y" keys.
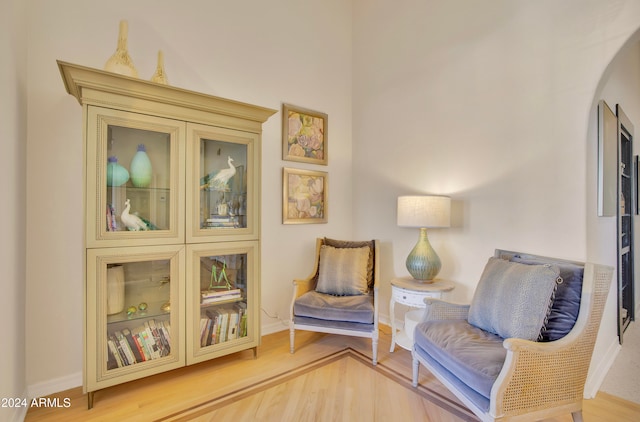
[{"x": 329, "y": 377}]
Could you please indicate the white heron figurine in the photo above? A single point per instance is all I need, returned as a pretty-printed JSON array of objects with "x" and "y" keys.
[
  {"x": 132, "y": 221},
  {"x": 220, "y": 180}
]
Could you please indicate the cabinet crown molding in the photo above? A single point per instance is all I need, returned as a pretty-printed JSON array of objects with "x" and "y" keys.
[{"x": 94, "y": 86}]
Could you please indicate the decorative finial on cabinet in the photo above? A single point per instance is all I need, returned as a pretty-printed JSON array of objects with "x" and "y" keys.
[
  {"x": 120, "y": 62},
  {"x": 160, "y": 77}
]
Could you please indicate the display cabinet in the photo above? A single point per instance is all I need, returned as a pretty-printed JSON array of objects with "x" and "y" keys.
[
  {"x": 627, "y": 204},
  {"x": 617, "y": 196},
  {"x": 172, "y": 225}
]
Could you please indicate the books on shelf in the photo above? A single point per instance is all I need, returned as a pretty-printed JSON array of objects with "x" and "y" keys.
[
  {"x": 151, "y": 340},
  {"x": 220, "y": 221},
  {"x": 214, "y": 296},
  {"x": 223, "y": 324},
  {"x": 111, "y": 219}
]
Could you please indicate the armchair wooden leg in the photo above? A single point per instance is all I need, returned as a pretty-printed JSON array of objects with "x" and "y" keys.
[
  {"x": 292, "y": 336},
  {"x": 577, "y": 416},
  {"x": 416, "y": 369},
  {"x": 374, "y": 345}
]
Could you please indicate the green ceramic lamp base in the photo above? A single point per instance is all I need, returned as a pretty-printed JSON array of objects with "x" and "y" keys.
[{"x": 423, "y": 263}]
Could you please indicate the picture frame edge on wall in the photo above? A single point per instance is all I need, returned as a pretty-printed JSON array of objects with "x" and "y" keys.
[
  {"x": 287, "y": 203},
  {"x": 292, "y": 150}
]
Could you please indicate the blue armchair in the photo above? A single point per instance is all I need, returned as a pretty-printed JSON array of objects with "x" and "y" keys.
[
  {"x": 341, "y": 294},
  {"x": 506, "y": 357}
]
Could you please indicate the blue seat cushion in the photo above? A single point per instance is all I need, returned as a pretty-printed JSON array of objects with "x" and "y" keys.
[
  {"x": 479, "y": 400},
  {"x": 472, "y": 355},
  {"x": 323, "y": 306},
  {"x": 341, "y": 325}
]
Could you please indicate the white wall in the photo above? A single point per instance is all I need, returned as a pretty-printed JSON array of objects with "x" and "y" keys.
[
  {"x": 264, "y": 53},
  {"x": 490, "y": 103},
  {"x": 13, "y": 126}
]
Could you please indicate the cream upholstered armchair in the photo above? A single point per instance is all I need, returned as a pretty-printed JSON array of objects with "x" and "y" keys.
[
  {"x": 521, "y": 350},
  {"x": 341, "y": 294}
]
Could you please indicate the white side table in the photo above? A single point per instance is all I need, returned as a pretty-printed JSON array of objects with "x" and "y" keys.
[{"x": 410, "y": 292}]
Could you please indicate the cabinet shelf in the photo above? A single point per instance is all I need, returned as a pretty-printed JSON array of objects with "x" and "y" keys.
[{"x": 154, "y": 310}]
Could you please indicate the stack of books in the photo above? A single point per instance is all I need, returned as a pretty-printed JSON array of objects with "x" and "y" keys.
[
  {"x": 125, "y": 347},
  {"x": 215, "y": 296},
  {"x": 220, "y": 221},
  {"x": 223, "y": 324}
]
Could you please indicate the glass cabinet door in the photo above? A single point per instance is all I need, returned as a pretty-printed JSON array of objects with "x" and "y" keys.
[
  {"x": 222, "y": 195},
  {"x": 135, "y": 171},
  {"x": 134, "y": 305},
  {"x": 222, "y": 290}
]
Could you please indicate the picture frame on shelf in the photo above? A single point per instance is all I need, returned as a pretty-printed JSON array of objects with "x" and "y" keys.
[
  {"x": 304, "y": 135},
  {"x": 304, "y": 198}
]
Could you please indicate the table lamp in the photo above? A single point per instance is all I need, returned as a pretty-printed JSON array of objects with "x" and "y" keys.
[{"x": 424, "y": 212}]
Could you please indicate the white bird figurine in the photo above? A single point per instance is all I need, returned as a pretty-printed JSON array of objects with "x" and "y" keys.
[
  {"x": 132, "y": 221},
  {"x": 221, "y": 179}
]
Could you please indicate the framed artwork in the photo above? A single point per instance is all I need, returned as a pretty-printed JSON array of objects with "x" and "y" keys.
[
  {"x": 304, "y": 198},
  {"x": 304, "y": 135},
  {"x": 607, "y": 161}
]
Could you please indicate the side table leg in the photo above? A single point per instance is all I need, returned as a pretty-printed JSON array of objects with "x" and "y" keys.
[{"x": 392, "y": 315}]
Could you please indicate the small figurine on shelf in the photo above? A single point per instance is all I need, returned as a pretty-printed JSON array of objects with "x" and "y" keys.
[
  {"x": 131, "y": 311},
  {"x": 218, "y": 278},
  {"x": 221, "y": 179},
  {"x": 132, "y": 221}
]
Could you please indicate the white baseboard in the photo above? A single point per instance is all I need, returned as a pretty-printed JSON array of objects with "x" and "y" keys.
[
  {"x": 596, "y": 377},
  {"x": 385, "y": 320},
  {"x": 274, "y": 327},
  {"x": 17, "y": 413},
  {"x": 46, "y": 388}
]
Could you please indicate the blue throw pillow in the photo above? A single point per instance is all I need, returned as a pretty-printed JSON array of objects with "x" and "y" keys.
[
  {"x": 513, "y": 299},
  {"x": 566, "y": 304}
]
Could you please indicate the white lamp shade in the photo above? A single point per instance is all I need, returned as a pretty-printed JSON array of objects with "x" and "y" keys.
[{"x": 424, "y": 211}]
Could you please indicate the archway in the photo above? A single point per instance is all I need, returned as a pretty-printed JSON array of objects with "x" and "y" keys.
[{"x": 619, "y": 84}]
